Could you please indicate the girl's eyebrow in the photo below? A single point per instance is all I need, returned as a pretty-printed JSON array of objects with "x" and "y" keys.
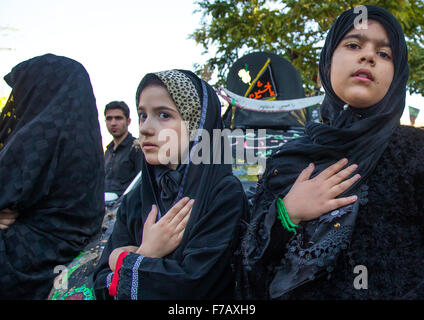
[
  {"x": 158, "y": 108},
  {"x": 364, "y": 38}
]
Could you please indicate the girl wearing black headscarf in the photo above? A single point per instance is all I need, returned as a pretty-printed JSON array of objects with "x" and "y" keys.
[
  {"x": 373, "y": 248},
  {"x": 197, "y": 262},
  {"x": 51, "y": 173}
]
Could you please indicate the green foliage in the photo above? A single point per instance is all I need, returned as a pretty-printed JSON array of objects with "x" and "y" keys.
[
  {"x": 294, "y": 29},
  {"x": 3, "y": 101}
]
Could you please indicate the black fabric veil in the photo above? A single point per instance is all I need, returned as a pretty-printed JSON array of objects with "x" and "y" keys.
[
  {"x": 51, "y": 172},
  {"x": 361, "y": 135}
]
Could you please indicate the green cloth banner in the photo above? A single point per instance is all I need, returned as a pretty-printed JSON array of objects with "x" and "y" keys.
[{"x": 413, "y": 114}]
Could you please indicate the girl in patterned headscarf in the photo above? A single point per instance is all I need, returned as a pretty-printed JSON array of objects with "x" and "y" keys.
[
  {"x": 179, "y": 225},
  {"x": 51, "y": 173}
]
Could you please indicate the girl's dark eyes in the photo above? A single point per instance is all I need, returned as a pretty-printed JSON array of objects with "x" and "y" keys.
[
  {"x": 353, "y": 46},
  {"x": 142, "y": 116},
  {"x": 384, "y": 55},
  {"x": 164, "y": 115}
]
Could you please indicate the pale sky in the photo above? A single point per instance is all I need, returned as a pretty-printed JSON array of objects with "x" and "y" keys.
[{"x": 116, "y": 41}]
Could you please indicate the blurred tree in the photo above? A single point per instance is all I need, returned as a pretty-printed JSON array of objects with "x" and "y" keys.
[
  {"x": 3, "y": 101},
  {"x": 3, "y": 34},
  {"x": 294, "y": 29}
]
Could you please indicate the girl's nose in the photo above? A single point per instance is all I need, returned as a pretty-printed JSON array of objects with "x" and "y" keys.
[
  {"x": 146, "y": 127},
  {"x": 368, "y": 56}
]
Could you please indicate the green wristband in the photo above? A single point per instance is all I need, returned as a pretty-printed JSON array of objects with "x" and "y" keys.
[
  {"x": 284, "y": 223},
  {"x": 284, "y": 217}
]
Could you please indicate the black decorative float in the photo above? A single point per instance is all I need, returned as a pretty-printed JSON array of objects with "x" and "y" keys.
[{"x": 266, "y": 108}]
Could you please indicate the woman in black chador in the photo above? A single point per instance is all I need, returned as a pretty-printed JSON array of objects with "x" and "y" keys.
[
  {"x": 374, "y": 247},
  {"x": 51, "y": 173}
]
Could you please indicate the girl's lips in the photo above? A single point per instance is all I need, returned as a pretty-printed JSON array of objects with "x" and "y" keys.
[
  {"x": 149, "y": 146},
  {"x": 363, "y": 75},
  {"x": 362, "y": 78}
]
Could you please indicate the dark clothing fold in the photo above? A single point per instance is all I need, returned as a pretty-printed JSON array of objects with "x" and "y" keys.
[
  {"x": 168, "y": 182},
  {"x": 51, "y": 172}
]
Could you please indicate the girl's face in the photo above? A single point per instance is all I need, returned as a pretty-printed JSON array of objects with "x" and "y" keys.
[
  {"x": 362, "y": 66},
  {"x": 163, "y": 134}
]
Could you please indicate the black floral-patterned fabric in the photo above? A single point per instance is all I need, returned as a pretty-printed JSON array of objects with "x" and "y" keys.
[
  {"x": 51, "y": 172},
  {"x": 387, "y": 238}
]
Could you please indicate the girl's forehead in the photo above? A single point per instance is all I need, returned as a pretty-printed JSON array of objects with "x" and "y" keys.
[
  {"x": 154, "y": 92},
  {"x": 373, "y": 29},
  {"x": 153, "y": 97}
]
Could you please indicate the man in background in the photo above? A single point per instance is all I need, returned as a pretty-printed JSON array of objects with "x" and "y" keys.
[{"x": 122, "y": 156}]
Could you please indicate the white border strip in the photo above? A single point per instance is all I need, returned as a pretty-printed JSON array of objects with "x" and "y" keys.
[{"x": 269, "y": 106}]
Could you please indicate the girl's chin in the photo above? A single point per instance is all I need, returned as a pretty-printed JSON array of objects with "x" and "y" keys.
[
  {"x": 154, "y": 161},
  {"x": 151, "y": 159},
  {"x": 361, "y": 104},
  {"x": 359, "y": 99}
]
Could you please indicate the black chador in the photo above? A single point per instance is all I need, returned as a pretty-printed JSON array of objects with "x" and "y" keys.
[{"x": 51, "y": 173}]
